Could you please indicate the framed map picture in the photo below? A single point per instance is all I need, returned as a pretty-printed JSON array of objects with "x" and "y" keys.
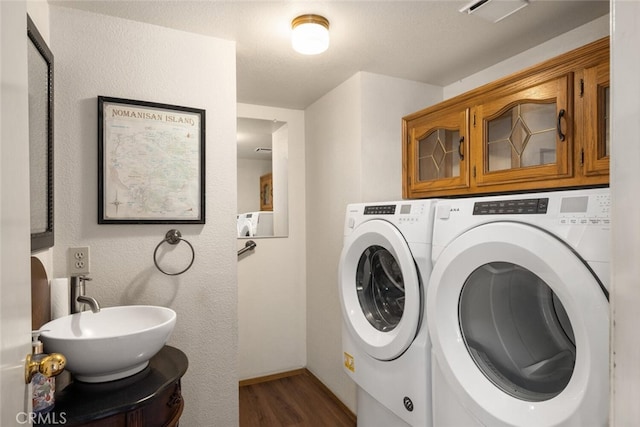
[{"x": 151, "y": 163}]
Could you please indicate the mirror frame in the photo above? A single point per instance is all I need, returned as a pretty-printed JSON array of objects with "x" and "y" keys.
[{"x": 44, "y": 239}]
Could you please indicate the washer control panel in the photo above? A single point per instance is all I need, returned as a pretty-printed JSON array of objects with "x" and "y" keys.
[
  {"x": 380, "y": 210},
  {"x": 414, "y": 218}
]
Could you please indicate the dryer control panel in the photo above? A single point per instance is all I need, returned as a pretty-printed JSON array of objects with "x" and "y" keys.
[
  {"x": 511, "y": 207},
  {"x": 585, "y": 209},
  {"x": 413, "y": 218}
]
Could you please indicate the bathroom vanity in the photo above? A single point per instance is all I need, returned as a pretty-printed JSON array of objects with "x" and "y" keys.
[{"x": 151, "y": 397}]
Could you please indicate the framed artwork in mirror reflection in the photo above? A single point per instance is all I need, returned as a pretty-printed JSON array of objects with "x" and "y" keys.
[
  {"x": 266, "y": 192},
  {"x": 151, "y": 163}
]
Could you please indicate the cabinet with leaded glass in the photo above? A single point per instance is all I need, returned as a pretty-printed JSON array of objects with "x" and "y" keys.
[
  {"x": 524, "y": 136},
  {"x": 438, "y": 145},
  {"x": 544, "y": 127}
]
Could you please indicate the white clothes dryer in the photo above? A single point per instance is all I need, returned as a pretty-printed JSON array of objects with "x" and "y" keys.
[
  {"x": 517, "y": 309},
  {"x": 384, "y": 267}
]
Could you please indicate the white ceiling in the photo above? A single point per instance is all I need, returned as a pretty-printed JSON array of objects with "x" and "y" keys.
[{"x": 427, "y": 41}]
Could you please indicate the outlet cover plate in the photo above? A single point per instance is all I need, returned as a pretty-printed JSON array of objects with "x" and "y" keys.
[{"x": 78, "y": 261}]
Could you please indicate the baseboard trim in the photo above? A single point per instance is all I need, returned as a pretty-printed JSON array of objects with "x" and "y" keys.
[
  {"x": 272, "y": 377},
  {"x": 333, "y": 397},
  {"x": 302, "y": 371}
]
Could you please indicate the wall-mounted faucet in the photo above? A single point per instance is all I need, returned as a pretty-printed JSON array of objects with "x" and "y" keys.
[{"x": 78, "y": 297}]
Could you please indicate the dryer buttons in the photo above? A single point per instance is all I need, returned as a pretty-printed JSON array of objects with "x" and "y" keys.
[{"x": 408, "y": 404}]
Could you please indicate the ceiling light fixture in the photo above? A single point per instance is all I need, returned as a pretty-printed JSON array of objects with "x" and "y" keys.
[{"x": 310, "y": 34}]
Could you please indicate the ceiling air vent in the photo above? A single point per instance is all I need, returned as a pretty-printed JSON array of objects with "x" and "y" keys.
[{"x": 494, "y": 10}]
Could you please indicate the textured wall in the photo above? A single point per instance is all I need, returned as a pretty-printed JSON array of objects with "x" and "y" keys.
[{"x": 100, "y": 55}]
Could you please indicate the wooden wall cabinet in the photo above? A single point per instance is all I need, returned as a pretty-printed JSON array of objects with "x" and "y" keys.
[
  {"x": 438, "y": 144},
  {"x": 594, "y": 92},
  {"x": 542, "y": 128}
]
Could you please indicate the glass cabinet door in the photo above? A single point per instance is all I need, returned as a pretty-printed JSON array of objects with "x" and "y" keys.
[
  {"x": 436, "y": 151},
  {"x": 595, "y": 95},
  {"x": 524, "y": 136}
]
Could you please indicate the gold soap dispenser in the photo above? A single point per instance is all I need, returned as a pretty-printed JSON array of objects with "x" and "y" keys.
[{"x": 40, "y": 372}]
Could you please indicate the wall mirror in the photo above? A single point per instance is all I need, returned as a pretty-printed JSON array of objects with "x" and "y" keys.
[
  {"x": 40, "y": 71},
  {"x": 263, "y": 208}
]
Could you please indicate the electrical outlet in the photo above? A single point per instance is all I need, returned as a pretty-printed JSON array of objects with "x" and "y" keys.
[{"x": 78, "y": 261}]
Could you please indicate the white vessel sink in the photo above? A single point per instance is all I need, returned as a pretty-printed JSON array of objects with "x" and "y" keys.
[{"x": 114, "y": 343}]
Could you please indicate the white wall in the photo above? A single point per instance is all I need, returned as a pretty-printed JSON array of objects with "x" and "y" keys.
[
  {"x": 15, "y": 289},
  {"x": 249, "y": 173},
  {"x": 625, "y": 158},
  {"x": 271, "y": 278},
  {"x": 101, "y": 55},
  {"x": 353, "y": 154},
  {"x": 384, "y": 102}
]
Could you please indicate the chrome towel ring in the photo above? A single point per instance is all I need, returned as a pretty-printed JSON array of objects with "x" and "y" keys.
[{"x": 173, "y": 237}]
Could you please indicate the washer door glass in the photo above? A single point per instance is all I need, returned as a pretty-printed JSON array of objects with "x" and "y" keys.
[
  {"x": 380, "y": 288},
  {"x": 517, "y": 331}
]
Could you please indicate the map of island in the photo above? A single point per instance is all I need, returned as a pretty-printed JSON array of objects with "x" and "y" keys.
[{"x": 151, "y": 163}]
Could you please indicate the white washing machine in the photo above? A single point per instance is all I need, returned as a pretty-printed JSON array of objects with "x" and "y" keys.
[
  {"x": 255, "y": 224},
  {"x": 243, "y": 227},
  {"x": 517, "y": 309},
  {"x": 384, "y": 267}
]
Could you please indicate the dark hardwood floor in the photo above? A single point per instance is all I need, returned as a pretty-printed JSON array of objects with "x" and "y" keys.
[{"x": 299, "y": 399}]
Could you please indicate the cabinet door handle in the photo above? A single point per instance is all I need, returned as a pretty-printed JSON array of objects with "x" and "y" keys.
[
  {"x": 560, "y": 116},
  {"x": 460, "y": 153}
]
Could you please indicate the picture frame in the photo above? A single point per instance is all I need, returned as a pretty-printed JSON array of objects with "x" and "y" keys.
[
  {"x": 266, "y": 192},
  {"x": 151, "y": 163}
]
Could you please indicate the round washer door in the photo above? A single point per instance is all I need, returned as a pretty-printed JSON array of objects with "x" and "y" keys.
[
  {"x": 379, "y": 289},
  {"x": 520, "y": 328},
  {"x": 245, "y": 229}
]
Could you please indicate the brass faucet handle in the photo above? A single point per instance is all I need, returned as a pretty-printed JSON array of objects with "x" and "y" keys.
[{"x": 49, "y": 366}]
